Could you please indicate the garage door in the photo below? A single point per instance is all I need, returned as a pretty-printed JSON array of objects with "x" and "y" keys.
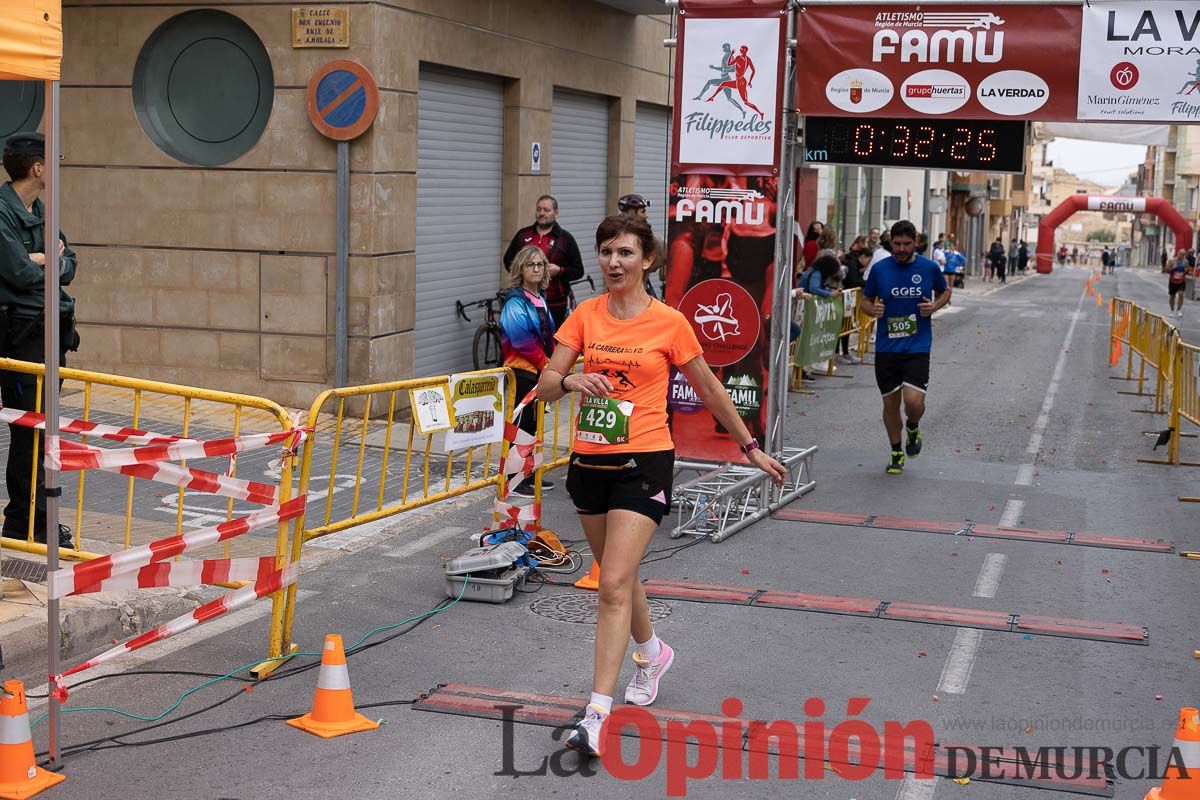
[
  {"x": 460, "y": 129},
  {"x": 651, "y": 146},
  {"x": 579, "y": 167}
]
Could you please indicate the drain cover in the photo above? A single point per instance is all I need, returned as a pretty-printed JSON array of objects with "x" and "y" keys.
[
  {"x": 23, "y": 569},
  {"x": 583, "y": 608}
]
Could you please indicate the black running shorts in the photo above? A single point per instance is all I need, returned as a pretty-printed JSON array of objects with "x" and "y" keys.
[
  {"x": 637, "y": 482},
  {"x": 893, "y": 370},
  {"x": 1173, "y": 288}
]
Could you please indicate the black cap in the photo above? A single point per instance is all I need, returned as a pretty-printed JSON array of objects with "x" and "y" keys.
[
  {"x": 628, "y": 202},
  {"x": 26, "y": 143}
]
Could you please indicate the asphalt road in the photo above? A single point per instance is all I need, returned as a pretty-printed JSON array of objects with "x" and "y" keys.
[{"x": 1024, "y": 428}]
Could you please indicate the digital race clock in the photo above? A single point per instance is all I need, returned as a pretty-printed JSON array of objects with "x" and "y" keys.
[{"x": 960, "y": 145}]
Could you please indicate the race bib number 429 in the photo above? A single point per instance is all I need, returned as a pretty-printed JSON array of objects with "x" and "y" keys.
[{"x": 603, "y": 420}]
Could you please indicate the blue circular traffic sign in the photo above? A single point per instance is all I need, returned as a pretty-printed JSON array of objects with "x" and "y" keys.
[{"x": 342, "y": 100}]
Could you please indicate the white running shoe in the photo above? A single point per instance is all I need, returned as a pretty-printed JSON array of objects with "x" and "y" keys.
[
  {"x": 643, "y": 689},
  {"x": 586, "y": 737}
]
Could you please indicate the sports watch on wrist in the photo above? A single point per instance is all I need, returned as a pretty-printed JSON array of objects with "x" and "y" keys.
[
  {"x": 748, "y": 446},
  {"x": 562, "y": 383}
]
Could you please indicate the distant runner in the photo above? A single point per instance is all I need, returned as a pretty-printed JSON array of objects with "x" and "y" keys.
[
  {"x": 902, "y": 292},
  {"x": 1176, "y": 283}
]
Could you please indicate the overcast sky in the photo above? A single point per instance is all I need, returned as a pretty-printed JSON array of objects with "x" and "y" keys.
[{"x": 1104, "y": 163}]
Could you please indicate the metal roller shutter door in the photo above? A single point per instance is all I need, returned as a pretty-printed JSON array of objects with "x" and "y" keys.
[
  {"x": 651, "y": 145},
  {"x": 460, "y": 143},
  {"x": 579, "y": 167}
]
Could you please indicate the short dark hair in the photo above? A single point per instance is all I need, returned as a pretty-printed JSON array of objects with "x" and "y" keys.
[
  {"x": 904, "y": 228},
  {"x": 549, "y": 197},
  {"x": 618, "y": 224},
  {"x": 19, "y": 167},
  {"x": 827, "y": 265}
]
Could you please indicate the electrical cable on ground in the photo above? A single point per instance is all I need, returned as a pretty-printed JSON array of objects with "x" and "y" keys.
[{"x": 415, "y": 620}]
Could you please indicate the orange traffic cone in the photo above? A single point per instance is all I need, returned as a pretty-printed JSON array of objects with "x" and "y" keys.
[
  {"x": 20, "y": 777},
  {"x": 333, "y": 711},
  {"x": 592, "y": 579},
  {"x": 1099, "y": 300},
  {"x": 1183, "y": 784}
]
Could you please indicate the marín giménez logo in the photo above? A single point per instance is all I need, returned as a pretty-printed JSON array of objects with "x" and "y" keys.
[{"x": 1124, "y": 76}]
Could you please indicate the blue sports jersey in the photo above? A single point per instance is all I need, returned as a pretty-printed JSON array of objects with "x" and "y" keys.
[{"x": 901, "y": 287}]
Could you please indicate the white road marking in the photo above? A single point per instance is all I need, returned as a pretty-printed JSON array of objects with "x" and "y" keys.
[
  {"x": 913, "y": 788},
  {"x": 959, "y": 662},
  {"x": 428, "y": 540},
  {"x": 1039, "y": 427},
  {"x": 942, "y": 312},
  {"x": 166, "y": 647},
  {"x": 989, "y": 574},
  {"x": 1024, "y": 475},
  {"x": 1012, "y": 513}
]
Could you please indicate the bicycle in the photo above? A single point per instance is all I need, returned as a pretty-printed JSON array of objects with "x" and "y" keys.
[{"x": 485, "y": 347}]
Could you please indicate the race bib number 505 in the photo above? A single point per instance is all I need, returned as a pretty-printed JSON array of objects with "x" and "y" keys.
[
  {"x": 603, "y": 420},
  {"x": 902, "y": 327}
]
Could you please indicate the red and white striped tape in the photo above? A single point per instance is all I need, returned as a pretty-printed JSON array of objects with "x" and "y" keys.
[
  {"x": 163, "y": 574},
  {"x": 75, "y": 456},
  {"x": 525, "y": 456},
  {"x": 230, "y": 602},
  {"x": 75, "y": 578},
  {"x": 34, "y": 419},
  {"x": 200, "y": 481}
]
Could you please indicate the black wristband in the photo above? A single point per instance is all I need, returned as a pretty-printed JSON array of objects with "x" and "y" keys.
[{"x": 562, "y": 384}]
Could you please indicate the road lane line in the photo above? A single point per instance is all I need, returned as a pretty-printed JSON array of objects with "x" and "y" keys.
[
  {"x": 959, "y": 662},
  {"x": 1039, "y": 427},
  {"x": 166, "y": 647},
  {"x": 1012, "y": 513},
  {"x": 989, "y": 574},
  {"x": 1024, "y": 475},
  {"x": 428, "y": 540},
  {"x": 914, "y": 788}
]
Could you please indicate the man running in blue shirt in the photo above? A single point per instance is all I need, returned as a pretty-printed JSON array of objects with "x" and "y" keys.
[{"x": 902, "y": 292}]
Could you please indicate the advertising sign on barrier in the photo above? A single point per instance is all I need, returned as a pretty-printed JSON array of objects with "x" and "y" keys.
[
  {"x": 431, "y": 408},
  {"x": 477, "y": 406},
  {"x": 729, "y": 90},
  {"x": 1141, "y": 61},
  {"x": 721, "y": 236},
  {"x": 962, "y": 61},
  {"x": 820, "y": 328}
]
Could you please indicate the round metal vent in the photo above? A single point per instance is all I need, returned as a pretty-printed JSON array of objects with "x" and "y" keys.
[
  {"x": 21, "y": 104},
  {"x": 583, "y": 608},
  {"x": 203, "y": 87}
]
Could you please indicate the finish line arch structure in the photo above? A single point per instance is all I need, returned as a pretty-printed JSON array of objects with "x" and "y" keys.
[{"x": 1119, "y": 205}]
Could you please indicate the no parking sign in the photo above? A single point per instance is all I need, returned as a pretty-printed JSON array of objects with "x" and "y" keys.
[{"x": 342, "y": 100}]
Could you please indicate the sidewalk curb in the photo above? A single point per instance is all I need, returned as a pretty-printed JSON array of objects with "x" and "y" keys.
[{"x": 90, "y": 624}]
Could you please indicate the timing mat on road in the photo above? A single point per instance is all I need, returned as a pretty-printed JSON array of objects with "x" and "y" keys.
[
  {"x": 556, "y": 711},
  {"x": 975, "y": 529},
  {"x": 1032, "y": 624}
]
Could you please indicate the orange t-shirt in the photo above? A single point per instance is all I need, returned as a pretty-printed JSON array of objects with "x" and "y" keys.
[{"x": 636, "y": 355}]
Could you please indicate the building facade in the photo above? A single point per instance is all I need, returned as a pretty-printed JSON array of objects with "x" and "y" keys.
[{"x": 201, "y": 200}]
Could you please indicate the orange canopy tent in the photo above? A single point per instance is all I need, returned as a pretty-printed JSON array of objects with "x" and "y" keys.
[{"x": 31, "y": 40}]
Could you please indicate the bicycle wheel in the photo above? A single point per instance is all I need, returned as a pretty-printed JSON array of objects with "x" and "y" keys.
[{"x": 485, "y": 350}]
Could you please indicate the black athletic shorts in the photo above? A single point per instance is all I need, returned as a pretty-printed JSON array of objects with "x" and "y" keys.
[
  {"x": 638, "y": 482},
  {"x": 893, "y": 370},
  {"x": 1174, "y": 288}
]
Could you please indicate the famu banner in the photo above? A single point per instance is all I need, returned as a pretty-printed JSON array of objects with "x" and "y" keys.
[
  {"x": 720, "y": 277},
  {"x": 820, "y": 327},
  {"x": 729, "y": 88}
]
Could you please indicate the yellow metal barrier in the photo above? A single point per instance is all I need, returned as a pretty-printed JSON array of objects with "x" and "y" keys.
[
  {"x": 1185, "y": 403},
  {"x": 376, "y": 421},
  {"x": 104, "y": 506}
]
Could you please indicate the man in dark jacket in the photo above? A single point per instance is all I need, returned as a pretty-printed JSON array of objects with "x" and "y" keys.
[
  {"x": 996, "y": 259},
  {"x": 561, "y": 251},
  {"x": 22, "y": 314}
]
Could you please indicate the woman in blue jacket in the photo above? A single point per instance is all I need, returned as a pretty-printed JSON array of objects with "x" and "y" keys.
[{"x": 527, "y": 334}]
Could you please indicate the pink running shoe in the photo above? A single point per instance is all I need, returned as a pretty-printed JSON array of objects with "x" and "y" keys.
[{"x": 643, "y": 689}]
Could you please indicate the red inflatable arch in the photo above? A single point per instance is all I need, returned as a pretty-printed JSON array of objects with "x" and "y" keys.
[{"x": 1121, "y": 205}]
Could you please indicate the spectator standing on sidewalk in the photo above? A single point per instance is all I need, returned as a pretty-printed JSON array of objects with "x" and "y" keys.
[
  {"x": 22, "y": 321},
  {"x": 1022, "y": 256},
  {"x": 996, "y": 261},
  {"x": 559, "y": 246}
]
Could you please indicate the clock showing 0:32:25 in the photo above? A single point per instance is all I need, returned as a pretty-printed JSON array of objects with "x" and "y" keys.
[{"x": 960, "y": 145}]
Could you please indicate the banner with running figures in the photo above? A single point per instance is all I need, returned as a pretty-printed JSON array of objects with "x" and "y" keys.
[{"x": 721, "y": 255}]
